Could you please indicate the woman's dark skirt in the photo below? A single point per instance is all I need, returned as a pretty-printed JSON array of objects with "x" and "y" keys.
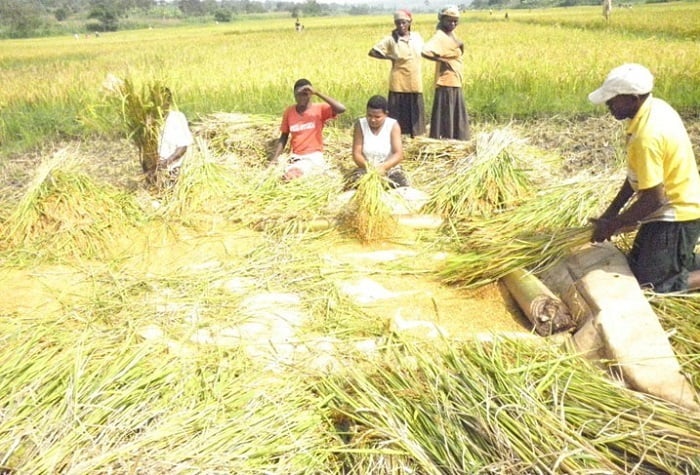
[
  {"x": 408, "y": 109},
  {"x": 449, "y": 119}
]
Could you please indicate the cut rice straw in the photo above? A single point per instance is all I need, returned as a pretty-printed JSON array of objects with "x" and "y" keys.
[
  {"x": 488, "y": 261},
  {"x": 503, "y": 407},
  {"x": 368, "y": 214},
  {"x": 64, "y": 213},
  {"x": 486, "y": 181}
]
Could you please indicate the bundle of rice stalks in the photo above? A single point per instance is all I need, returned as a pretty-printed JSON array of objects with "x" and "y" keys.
[
  {"x": 240, "y": 134},
  {"x": 487, "y": 260},
  {"x": 503, "y": 407},
  {"x": 203, "y": 185},
  {"x": 568, "y": 204},
  {"x": 64, "y": 212},
  {"x": 368, "y": 215},
  {"x": 485, "y": 181},
  {"x": 424, "y": 149},
  {"x": 142, "y": 112}
]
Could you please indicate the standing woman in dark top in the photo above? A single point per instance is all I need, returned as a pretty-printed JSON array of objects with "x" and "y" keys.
[{"x": 403, "y": 48}]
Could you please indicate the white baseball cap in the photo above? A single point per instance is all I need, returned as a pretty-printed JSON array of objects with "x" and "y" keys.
[{"x": 629, "y": 78}]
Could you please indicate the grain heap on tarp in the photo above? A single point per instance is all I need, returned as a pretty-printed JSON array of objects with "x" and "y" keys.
[
  {"x": 64, "y": 212},
  {"x": 487, "y": 180}
]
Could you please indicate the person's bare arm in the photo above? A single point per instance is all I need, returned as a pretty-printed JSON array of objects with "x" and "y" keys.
[
  {"x": 177, "y": 153},
  {"x": 612, "y": 221},
  {"x": 281, "y": 143},
  {"x": 357, "y": 143},
  {"x": 396, "y": 155},
  {"x": 338, "y": 107}
]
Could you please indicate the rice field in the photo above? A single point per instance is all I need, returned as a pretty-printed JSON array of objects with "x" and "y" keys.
[{"x": 235, "y": 324}]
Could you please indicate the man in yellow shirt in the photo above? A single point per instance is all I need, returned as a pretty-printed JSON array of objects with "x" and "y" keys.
[{"x": 661, "y": 195}]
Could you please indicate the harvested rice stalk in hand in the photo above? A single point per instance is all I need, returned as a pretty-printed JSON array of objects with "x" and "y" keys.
[
  {"x": 368, "y": 215},
  {"x": 561, "y": 206},
  {"x": 141, "y": 111},
  {"x": 484, "y": 181}
]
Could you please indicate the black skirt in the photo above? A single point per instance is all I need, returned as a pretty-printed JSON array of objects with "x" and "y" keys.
[
  {"x": 409, "y": 111},
  {"x": 449, "y": 119}
]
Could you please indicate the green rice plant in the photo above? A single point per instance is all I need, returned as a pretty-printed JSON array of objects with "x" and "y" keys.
[
  {"x": 666, "y": 20},
  {"x": 501, "y": 79},
  {"x": 488, "y": 180},
  {"x": 368, "y": 215}
]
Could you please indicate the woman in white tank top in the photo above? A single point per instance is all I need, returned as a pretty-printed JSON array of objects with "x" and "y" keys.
[{"x": 377, "y": 143}]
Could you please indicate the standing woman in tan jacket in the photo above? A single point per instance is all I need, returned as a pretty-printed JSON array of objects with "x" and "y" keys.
[
  {"x": 403, "y": 48},
  {"x": 449, "y": 119}
]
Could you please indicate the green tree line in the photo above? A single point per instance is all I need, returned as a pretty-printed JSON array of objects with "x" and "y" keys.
[{"x": 27, "y": 18}]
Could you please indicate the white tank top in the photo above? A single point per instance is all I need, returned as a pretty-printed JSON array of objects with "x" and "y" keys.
[{"x": 376, "y": 148}]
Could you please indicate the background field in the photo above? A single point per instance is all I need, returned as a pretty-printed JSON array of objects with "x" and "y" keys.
[
  {"x": 538, "y": 63},
  {"x": 218, "y": 328}
]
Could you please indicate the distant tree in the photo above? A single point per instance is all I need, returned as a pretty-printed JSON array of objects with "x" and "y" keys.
[
  {"x": 311, "y": 8},
  {"x": 60, "y": 14},
  {"x": 20, "y": 17},
  {"x": 359, "y": 10},
  {"x": 192, "y": 7},
  {"x": 107, "y": 13},
  {"x": 223, "y": 16}
]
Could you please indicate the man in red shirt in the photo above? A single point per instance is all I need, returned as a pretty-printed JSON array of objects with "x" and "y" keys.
[{"x": 304, "y": 121}]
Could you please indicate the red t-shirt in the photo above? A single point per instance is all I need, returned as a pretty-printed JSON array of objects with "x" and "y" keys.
[{"x": 306, "y": 130}]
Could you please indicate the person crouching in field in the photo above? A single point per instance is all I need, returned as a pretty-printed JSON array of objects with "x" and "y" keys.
[
  {"x": 304, "y": 121},
  {"x": 376, "y": 142},
  {"x": 660, "y": 198},
  {"x": 175, "y": 138},
  {"x": 449, "y": 118},
  {"x": 403, "y": 48}
]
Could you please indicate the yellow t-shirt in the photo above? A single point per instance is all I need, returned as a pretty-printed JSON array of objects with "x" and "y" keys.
[
  {"x": 406, "y": 74},
  {"x": 449, "y": 48},
  {"x": 659, "y": 151}
]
